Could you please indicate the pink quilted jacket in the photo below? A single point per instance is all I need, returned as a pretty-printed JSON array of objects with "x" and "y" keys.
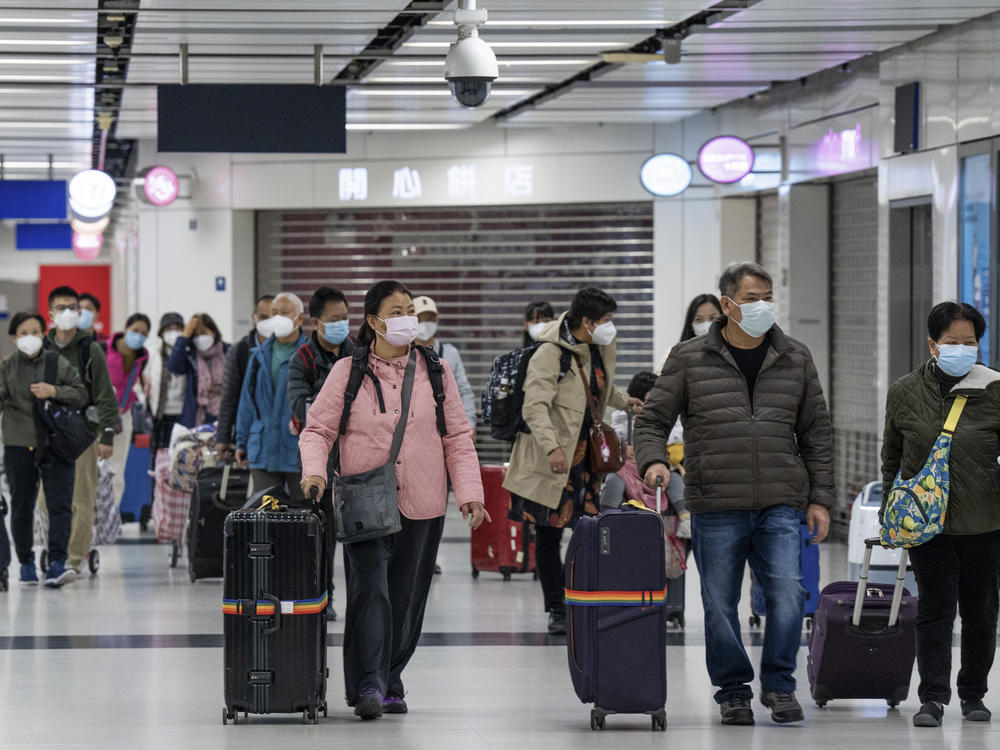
[{"x": 425, "y": 460}]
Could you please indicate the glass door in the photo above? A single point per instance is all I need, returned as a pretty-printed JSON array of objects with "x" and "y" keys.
[{"x": 977, "y": 236}]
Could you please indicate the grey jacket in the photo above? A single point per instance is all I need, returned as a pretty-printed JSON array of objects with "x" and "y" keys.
[
  {"x": 450, "y": 354},
  {"x": 780, "y": 452}
]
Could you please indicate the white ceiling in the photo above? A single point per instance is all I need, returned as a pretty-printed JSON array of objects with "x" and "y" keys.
[{"x": 46, "y": 46}]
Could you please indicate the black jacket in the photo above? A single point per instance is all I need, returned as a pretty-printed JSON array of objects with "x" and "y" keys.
[
  {"x": 305, "y": 379},
  {"x": 779, "y": 452},
  {"x": 232, "y": 384}
]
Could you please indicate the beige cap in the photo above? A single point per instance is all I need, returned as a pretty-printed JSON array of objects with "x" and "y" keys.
[{"x": 424, "y": 304}]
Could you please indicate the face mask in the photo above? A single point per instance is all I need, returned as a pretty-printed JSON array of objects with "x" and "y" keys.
[
  {"x": 336, "y": 332},
  {"x": 957, "y": 360},
  {"x": 134, "y": 340},
  {"x": 281, "y": 326},
  {"x": 400, "y": 331},
  {"x": 30, "y": 345},
  {"x": 265, "y": 328},
  {"x": 426, "y": 331},
  {"x": 535, "y": 330},
  {"x": 170, "y": 337},
  {"x": 758, "y": 318},
  {"x": 204, "y": 342},
  {"x": 86, "y": 319},
  {"x": 67, "y": 320},
  {"x": 700, "y": 329},
  {"x": 604, "y": 334}
]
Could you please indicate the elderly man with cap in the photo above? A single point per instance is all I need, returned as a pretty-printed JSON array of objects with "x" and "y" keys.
[{"x": 427, "y": 318}]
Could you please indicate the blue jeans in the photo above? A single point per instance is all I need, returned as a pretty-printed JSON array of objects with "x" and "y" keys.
[{"x": 724, "y": 542}]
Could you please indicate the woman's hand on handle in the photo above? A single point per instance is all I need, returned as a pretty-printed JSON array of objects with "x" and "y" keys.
[
  {"x": 313, "y": 483},
  {"x": 657, "y": 471},
  {"x": 475, "y": 514}
]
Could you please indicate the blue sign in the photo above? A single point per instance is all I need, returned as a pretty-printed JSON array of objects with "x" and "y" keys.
[
  {"x": 220, "y": 283},
  {"x": 43, "y": 237},
  {"x": 32, "y": 199}
]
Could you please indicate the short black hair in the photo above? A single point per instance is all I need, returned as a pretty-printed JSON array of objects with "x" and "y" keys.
[
  {"x": 946, "y": 313},
  {"x": 93, "y": 300},
  {"x": 20, "y": 317},
  {"x": 729, "y": 281},
  {"x": 321, "y": 298},
  {"x": 63, "y": 291},
  {"x": 592, "y": 303},
  {"x": 139, "y": 318},
  {"x": 262, "y": 298},
  {"x": 373, "y": 303},
  {"x": 641, "y": 383}
]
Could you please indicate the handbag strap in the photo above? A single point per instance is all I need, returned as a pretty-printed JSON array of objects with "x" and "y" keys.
[
  {"x": 956, "y": 412},
  {"x": 591, "y": 402},
  {"x": 404, "y": 407}
]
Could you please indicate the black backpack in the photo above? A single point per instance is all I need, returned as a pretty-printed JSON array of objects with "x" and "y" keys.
[
  {"x": 504, "y": 395},
  {"x": 61, "y": 430}
]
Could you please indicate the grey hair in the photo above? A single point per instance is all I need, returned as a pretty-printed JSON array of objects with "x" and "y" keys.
[
  {"x": 293, "y": 298},
  {"x": 731, "y": 277}
]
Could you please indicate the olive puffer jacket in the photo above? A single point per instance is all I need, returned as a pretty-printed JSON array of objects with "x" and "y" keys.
[
  {"x": 915, "y": 413},
  {"x": 738, "y": 457}
]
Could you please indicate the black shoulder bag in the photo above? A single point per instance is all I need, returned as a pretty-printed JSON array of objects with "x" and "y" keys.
[
  {"x": 366, "y": 505},
  {"x": 64, "y": 432}
]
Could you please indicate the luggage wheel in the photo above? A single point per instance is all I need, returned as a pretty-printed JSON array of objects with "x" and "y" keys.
[
  {"x": 94, "y": 561},
  {"x": 4, "y": 581},
  {"x": 475, "y": 572},
  {"x": 659, "y": 719},
  {"x": 228, "y": 715},
  {"x": 597, "y": 719},
  {"x": 892, "y": 705},
  {"x": 820, "y": 704},
  {"x": 754, "y": 621},
  {"x": 175, "y": 553}
]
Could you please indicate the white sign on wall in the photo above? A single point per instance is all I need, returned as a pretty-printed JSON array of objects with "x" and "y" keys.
[
  {"x": 519, "y": 180},
  {"x": 462, "y": 181},
  {"x": 406, "y": 184},
  {"x": 353, "y": 183}
]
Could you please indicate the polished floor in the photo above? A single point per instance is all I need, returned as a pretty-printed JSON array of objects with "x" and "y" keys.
[{"x": 132, "y": 658}]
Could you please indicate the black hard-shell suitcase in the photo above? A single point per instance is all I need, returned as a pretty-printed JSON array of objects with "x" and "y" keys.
[
  {"x": 5, "y": 558},
  {"x": 274, "y": 606},
  {"x": 615, "y": 590},
  {"x": 863, "y": 642},
  {"x": 219, "y": 490}
]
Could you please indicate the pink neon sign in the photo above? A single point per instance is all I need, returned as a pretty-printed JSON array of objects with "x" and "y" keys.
[
  {"x": 841, "y": 151},
  {"x": 161, "y": 186},
  {"x": 726, "y": 159}
]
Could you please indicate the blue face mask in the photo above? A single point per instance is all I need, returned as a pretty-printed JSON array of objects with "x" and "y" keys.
[
  {"x": 336, "y": 332},
  {"x": 757, "y": 318},
  {"x": 86, "y": 319},
  {"x": 134, "y": 340},
  {"x": 957, "y": 360}
]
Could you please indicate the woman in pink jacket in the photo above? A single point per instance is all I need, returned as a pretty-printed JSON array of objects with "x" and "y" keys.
[{"x": 389, "y": 578}]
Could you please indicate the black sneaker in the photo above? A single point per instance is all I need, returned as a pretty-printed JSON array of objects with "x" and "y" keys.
[
  {"x": 557, "y": 623},
  {"x": 930, "y": 715},
  {"x": 785, "y": 709},
  {"x": 369, "y": 705},
  {"x": 394, "y": 705},
  {"x": 974, "y": 710},
  {"x": 736, "y": 711}
]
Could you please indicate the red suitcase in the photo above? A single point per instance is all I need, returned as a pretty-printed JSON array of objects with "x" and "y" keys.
[{"x": 504, "y": 546}]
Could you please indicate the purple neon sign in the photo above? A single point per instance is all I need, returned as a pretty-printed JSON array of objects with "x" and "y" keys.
[
  {"x": 726, "y": 159},
  {"x": 841, "y": 151}
]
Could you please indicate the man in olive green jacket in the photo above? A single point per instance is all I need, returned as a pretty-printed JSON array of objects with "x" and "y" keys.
[
  {"x": 85, "y": 356},
  {"x": 758, "y": 452}
]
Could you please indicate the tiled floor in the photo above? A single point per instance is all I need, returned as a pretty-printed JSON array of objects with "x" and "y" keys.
[{"x": 142, "y": 668}]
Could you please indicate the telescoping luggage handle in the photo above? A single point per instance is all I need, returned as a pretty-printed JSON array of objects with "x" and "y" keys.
[{"x": 897, "y": 592}]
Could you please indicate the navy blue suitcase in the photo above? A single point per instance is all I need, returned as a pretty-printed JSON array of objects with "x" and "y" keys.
[
  {"x": 615, "y": 591},
  {"x": 809, "y": 565}
]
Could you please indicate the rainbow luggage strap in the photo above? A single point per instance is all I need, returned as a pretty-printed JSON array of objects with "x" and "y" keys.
[
  {"x": 265, "y": 607},
  {"x": 616, "y": 598}
]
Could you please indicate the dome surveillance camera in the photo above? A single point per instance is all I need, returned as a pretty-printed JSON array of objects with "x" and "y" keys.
[{"x": 471, "y": 67}]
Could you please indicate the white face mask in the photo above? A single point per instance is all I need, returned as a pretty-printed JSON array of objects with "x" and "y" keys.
[
  {"x": 426, "y": 330},
  {"x": 535, "y": 329},
  {"x": 281, "y": 326},
  {"x": 30, "y": 344},
  {"x": 265, "y": 328},
  {"x": 170, "y": 337},
  {"x": 204, "y": 342},
  {"x": 67, "y": 320},
  {"x": 700, "y": 329},
  {"x": 604, "y": 334}
]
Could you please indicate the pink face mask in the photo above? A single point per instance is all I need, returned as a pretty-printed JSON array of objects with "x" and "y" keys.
[{"x": 400, "y": 331}]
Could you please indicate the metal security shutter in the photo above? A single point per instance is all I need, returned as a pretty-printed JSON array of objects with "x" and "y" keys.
[
  {"x": 482, "y": 266},
  {"x": 768, "y": 223},
  {"x": 854, "y": 299}
]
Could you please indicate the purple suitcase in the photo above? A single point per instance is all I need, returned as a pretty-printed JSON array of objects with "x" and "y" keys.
[
  {"x": 616, "y": 589},
  {"x": 863, "y": 642}
]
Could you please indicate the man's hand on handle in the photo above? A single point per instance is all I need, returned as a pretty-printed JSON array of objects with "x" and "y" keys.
[
  {"x": 657, "y": 471},
  {"x": 818, "y": 522},
  {"x": 475, "y": 514}
]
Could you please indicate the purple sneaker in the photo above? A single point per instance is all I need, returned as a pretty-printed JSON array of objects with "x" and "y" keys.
[
  {"x": 369, "y": 704},
  {"x": 394, "y": 705}
]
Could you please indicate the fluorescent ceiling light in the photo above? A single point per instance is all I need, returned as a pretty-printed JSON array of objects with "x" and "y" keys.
[
  {"x": 437, "y": 79},
  {"x": 407, "y": 126},
  {"x": 17, "y": 21},
  {"x": 66, "y": 78},
  {"x": 524, "y": 45},
  {"x": 585, "y": 23},
  {"x": 46, "y": 61},
  {"x": 29, "y": 124},
  {"x": 45, "y": 43},
  {"x": 432, "y": 92},
  {"x": 44, "y": 165},
  {"x": 438, "y": 62}
]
